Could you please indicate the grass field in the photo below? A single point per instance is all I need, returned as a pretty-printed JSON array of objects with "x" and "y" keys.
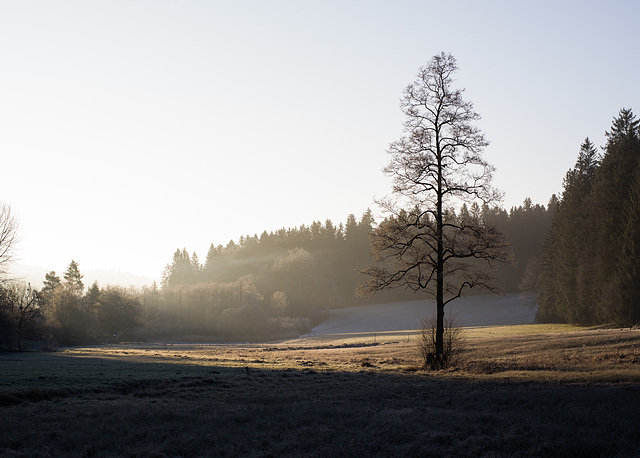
[{"x": 528, "y": 390}]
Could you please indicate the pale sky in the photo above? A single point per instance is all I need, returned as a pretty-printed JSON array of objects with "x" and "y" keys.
[{"x": 131, "y": 128}]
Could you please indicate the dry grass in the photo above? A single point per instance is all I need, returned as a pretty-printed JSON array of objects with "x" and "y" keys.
[
  {"x": 569, "y": 393},
  {"x": 591, "y": 356}
]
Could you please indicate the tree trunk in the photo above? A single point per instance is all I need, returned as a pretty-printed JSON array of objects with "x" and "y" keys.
[
  {"x": 440, "y": 260},
  {"x": 20, "y": 332},
  {"x": 440, "y": 295},
  {"x": 440, "y": 320}
]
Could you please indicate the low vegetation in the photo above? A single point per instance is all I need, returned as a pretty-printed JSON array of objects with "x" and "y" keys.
[
  {"x": 526, "y": 391},
  {"x": 427, "y": 343}
]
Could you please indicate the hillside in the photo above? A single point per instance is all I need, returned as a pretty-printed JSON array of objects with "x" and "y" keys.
[{"x": 485, "y": 310}]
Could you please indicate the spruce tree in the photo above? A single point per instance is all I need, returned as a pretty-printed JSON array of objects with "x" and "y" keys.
[
  {"x": 589, "y": 269},
  {"x": 628, "y": 269},
  {"x": 51, "y": 282},
  {"x": 73, "y": 278},
  {"x": 92, "y": 296},
  {"x": 611, "y": 193},
  {"x": 563, "y": 249},
  {"x": 180, "y": 271}
]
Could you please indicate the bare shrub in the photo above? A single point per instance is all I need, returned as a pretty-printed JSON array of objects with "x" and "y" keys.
[{"x": 453, "y": 343}]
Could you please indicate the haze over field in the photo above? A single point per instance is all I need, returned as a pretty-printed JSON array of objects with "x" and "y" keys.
[
  {"x": 485, "y": 310},
  {"x": 132, "y": 128}
]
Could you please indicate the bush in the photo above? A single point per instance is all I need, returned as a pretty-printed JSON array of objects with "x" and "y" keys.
[{"x": 453, "y": 343}]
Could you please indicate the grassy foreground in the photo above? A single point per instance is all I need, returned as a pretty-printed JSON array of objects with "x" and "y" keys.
[{"x": 518, "y": 391}]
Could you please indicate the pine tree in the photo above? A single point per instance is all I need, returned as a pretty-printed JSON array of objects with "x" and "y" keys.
[
  {"x": 351, "y": 227},
  {"x": 563, "y": 250},
  {"x": 589, "y": 268},
  {"x": 92, "y": 296},
  {"x": 613, "y": 183},
  {"x": 628, "y": 269},
  {"x": 195, "y": 265},
  {"x": 73, "y": 278},
  {"x": 51, "y": 282},
  {"x": 180, "y": 271},
  {"x": 367, "y": 222}
]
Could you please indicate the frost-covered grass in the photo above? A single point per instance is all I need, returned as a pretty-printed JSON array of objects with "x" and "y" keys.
[{"x": 527, "y": 391}]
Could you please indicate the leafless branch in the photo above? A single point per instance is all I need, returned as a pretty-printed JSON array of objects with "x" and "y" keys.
[{"x": 8, "y": 237}]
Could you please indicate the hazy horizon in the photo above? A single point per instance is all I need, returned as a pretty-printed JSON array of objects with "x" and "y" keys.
[
  {"x": 35, "y": 275},
  {"x": 132, "y": 128}
]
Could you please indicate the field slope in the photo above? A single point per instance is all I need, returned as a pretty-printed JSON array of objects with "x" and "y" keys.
[{"x": 485, "y": 310}]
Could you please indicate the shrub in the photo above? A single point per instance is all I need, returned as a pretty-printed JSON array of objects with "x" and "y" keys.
[{"x": 453, "y": 343}]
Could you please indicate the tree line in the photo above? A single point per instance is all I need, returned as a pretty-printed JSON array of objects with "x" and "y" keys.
[
  {"x": 590, "y": 270},
  {"x": 579, "y": 253},
  {"x": 443, "y": 233},
  {"x": 319, "y": 266},
  {"x": 278, "y": 284},
  {"x": 63, "y": 312}
]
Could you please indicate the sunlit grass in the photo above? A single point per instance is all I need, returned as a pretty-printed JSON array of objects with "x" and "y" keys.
[
  {"x": 528, "y": 352},
  {"x": 531, "y": 352},
  {"x": 525, "y": 390},
  {"x": 519, "y": 330}
]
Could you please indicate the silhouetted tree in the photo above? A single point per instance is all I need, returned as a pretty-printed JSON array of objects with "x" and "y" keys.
[
  {"x": 180, "y": 271},
  {"x": 22, "y": 305},
  {"x": 627, "y": 275},
  {"x": 90, "y": 303},
  {"x": 564, "y": 250},
  {"x": 196, "y": 266},
  {"x": 8, "y": 237},
  {"x": 351, "y": 227},
  {"x": 437, "y": 163},
  {"x": 66, "y": 313},
  {"x": 609, "y": 201},
  {"x": 92, "y": 296}
]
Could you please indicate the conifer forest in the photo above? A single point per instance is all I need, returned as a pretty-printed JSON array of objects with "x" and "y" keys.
[{"x": 578, "y": 253}]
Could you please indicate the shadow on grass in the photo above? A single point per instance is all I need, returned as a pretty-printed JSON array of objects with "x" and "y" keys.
[{"x": 98, "y": 407}]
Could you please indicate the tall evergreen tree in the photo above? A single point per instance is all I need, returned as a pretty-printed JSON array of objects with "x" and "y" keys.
[
  {"x": 73, "y": 278},
  {"x": 613, "y": 183},
  {"x": 589, "y": 269},
  {"x": 92, "y": 296},
  {"x": 51, "y": 282},
  {"x": 196, "y": 267},
  {"x": 628, "y": 270},
  {"x": 564, "y": 248},
  {"x": 351, "y": 227},
  {"x": 180, "y": 271}
]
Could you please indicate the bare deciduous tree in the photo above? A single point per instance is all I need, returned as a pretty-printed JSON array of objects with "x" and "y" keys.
[
  {"x": 23, "y": 305},
  {"x": 436, "y": 165},
  {"x": 8, "y": 237}
]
